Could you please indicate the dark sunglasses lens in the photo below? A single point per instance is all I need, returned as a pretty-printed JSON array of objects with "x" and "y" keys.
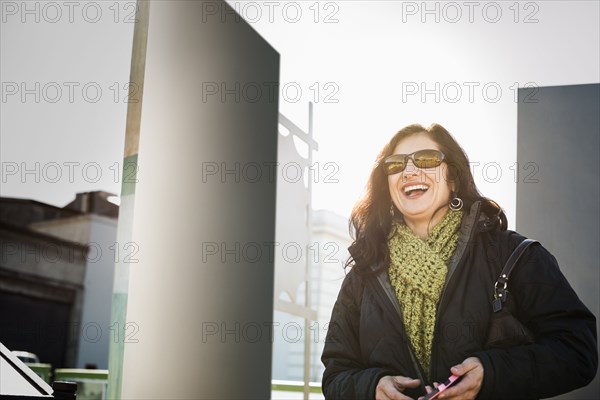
[
  {"x": 428, "y": 158},
  {"x": 393, "y": 167}
]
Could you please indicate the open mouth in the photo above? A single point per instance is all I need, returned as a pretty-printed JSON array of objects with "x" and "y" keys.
[{"x": 413, "y": 191}]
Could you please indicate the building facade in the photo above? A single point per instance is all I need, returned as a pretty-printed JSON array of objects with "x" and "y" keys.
[{"x": 56, "y": 277}]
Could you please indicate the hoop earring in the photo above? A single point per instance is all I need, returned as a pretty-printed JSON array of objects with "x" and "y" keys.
[{"x": 456, "y": 204}]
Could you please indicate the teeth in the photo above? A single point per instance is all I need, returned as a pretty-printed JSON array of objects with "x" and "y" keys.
[{"x": 415, "y": 187}]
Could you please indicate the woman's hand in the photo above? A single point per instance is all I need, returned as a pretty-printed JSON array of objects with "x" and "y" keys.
[
  {"x": 472, "y": 372},
  {"x": 391, "y": 387}
]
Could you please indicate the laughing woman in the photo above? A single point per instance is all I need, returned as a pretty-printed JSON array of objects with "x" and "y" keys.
[{"x": 416, "y": 306}]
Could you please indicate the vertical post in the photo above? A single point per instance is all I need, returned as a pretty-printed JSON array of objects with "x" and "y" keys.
[
  {"x": 308, "y": 299},
  {"x": 128, "y": 176}
]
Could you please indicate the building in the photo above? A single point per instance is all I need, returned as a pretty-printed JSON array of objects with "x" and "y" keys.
[
  {"x": 327, "y": 252},
  {"x": 56, "y": 278}
]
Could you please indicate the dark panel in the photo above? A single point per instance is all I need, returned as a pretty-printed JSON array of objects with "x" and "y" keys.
[
  {"x": 34, "y": 325},
  {"x": 558, "y": 186}
]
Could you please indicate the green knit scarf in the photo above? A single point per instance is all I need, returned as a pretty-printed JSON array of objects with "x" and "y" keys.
[{"x": 417, "y": 272}]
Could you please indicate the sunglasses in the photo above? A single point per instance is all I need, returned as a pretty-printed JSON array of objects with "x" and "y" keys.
[{"x": 422, "y": 159}]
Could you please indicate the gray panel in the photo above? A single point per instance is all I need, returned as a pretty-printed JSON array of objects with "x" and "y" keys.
[
  {"x": 558, "y": 186},
  {"x": 200, "y": 296}
]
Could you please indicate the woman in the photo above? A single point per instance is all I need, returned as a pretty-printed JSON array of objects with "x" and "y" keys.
[{"x": 416, "y": 306}]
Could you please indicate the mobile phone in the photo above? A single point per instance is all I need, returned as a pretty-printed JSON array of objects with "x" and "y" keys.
[{"x": 441, "y": 387}]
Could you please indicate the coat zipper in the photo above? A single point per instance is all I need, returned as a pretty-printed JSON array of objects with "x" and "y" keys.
[
  {"x": 473, "y": 218},
  {"x": 381, "y": 278}
]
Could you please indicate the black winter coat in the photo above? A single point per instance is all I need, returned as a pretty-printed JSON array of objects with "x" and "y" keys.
[{"x": 366, "y": 338}]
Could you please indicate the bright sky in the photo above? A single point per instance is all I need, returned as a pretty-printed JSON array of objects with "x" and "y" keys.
[{"x": 370, "y": 67}]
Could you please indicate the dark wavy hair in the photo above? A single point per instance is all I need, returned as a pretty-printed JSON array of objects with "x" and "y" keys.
[{"x": 371, "y": 221}]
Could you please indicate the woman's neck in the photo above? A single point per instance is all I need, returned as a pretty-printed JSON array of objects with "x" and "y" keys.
[
  {"x": 418, "y": 228},
  {"x": 422, "y": 226}
]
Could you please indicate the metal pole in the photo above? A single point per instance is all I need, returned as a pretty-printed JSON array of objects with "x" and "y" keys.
[{"x": 307, "y": 321}]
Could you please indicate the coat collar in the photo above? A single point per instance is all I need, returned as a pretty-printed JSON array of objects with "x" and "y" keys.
[{"x": 468, "y": 227}]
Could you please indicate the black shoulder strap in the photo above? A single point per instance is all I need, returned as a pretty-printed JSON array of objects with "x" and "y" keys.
[{"x": 500, "y": 287}]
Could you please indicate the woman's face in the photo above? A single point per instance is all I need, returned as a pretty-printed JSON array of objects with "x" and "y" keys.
[{"x": 417, "y": 192}]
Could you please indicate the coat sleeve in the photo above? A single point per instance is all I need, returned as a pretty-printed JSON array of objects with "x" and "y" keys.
[
  {"x": 346, "y": 376},
  {"x": 564, "y": 355}
]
